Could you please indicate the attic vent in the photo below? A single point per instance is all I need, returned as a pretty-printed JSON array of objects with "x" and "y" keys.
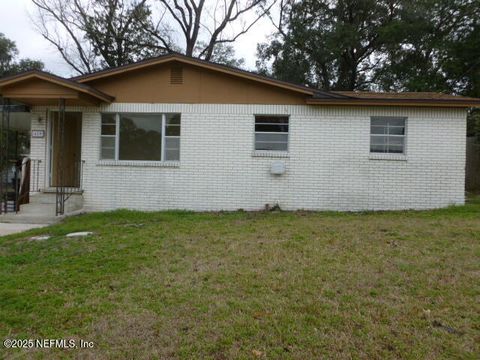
[{"x": 176, "y": 75}]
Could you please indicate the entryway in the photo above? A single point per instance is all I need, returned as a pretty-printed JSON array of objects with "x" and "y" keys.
[
  {"x": 65, "y": 152},
  {"x": 59, "y": 169}
]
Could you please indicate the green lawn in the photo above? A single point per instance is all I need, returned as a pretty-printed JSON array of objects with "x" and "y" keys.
[{"x": 275, "y": 285}]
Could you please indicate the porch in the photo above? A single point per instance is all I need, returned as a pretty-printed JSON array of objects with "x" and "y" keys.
[
  {"x": 39, "y": 186},
  {"x": 44, "y": 188}
]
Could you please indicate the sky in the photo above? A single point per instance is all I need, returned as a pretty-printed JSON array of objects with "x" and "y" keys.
[{"x": 15, "y": 23}]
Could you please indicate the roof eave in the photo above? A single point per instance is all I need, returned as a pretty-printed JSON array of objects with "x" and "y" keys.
[{"x": 396, "y": 102}]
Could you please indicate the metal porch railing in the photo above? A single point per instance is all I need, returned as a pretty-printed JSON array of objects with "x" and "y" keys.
[
  {"x": 69, "y": 182},
  {"x": 35, "y": 175}
]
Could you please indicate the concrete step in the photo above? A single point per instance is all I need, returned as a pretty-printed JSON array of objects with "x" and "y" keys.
[
  {"x": 19, "y": 218},
  {"x": 29, "y": 219},
  {"x": 74, "y": 202},
  {"x": 42, "y": 208},
  {"x": 32, "y": 214},
  {"x": 38, "y": 209},
  {"x": 43, "y": 198}
]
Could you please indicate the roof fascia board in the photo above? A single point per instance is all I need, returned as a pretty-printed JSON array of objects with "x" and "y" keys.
[{"x": 396, "y": 102}]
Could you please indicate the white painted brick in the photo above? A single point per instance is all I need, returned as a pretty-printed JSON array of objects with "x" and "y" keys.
[{"x": 328, "y": 168}]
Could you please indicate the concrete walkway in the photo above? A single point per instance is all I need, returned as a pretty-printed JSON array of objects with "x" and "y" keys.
[{"x": 10, "y": 228}]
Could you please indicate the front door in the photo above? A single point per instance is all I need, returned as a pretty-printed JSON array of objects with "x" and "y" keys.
[{"x": 66, "y": 155}]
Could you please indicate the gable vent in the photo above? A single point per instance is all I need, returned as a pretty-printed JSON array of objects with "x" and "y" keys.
[{"x": 176, "y": 75}]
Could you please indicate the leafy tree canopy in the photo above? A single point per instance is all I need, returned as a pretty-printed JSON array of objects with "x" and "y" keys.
[
  {"x": 9, "y": 62},
  {"x": 329, "y": 44},
  {"x": 402, "y": 45}
]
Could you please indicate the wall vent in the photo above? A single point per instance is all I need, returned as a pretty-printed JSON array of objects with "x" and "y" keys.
[{"x": 176, "y": 75}]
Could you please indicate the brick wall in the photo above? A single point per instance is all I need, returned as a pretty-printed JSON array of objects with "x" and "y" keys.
[{"x": 329, "y": 164}]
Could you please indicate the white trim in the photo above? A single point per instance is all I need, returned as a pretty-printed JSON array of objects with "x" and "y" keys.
[
  {"x": 117, "y": 136},
  {"x": 270, "y": 154},
  {"x": 138, "y": 163},
  {"x": 117, "y": 162},
  {"x": 388, "y": 136},
  {"x": 388, "y": 156},
  {"x": 258, "y": 153},
  {"x": 162, "y": 147}
]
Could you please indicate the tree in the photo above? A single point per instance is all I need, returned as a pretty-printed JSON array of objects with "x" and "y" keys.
[
  {"x": 204, "y": 25},
  {"x": 433, "y": 48},
  {"x": 225, "y": 54},
  {"x": 398, "y": 45},
  {"x": 464, "y": 66},
  {"x": 96, "y": 34},
  {"x": 329, "y": 44},
  {"x": 8, "y": 50},
  {"x": 9, "y": 62}
]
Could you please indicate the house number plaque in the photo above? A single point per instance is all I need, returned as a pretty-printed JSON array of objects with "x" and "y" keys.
[{"x": 38, "y": 134}]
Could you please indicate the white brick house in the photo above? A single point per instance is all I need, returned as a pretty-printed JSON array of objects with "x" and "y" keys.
[{"x": 205, "y": 151}]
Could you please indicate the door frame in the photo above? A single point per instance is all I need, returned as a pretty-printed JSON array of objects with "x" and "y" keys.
[{"x": 51, "y": 145}]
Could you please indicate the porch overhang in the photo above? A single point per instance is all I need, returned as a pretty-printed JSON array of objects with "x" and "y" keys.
[{"x": 38, "y": 88}]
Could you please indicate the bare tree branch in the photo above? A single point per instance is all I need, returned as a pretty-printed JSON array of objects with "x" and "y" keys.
[
  {"x": 57, "y": 11},
  {"x": 94, "y": 34},
  {"x": 209, "y": 49},
  {"x": 204, "y": 23}
]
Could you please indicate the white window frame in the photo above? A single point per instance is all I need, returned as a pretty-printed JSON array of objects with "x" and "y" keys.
[
  {"x": 165, "y": 137},
  {"x": 115, "y": 149},
  {"x": 117, "y": 138},
  {"x": 404, "y": 136},
  {"x": 270, "y": 132}
]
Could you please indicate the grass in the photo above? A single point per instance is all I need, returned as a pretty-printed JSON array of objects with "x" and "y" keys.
[{"x": 268, "y": 285}]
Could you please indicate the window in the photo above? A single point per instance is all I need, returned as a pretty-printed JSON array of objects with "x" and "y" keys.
[
  {"x": 109, "y": 131},
  {"x": 140, "y": 137},
  {"x": 143, "y": 137},
  {"x": 172, "y": 137},
  {"x": 387, "y": 135},
  {"x": 271, "y": 133}
]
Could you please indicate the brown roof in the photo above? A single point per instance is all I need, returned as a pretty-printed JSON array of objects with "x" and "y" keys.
[
  {"x": 312, "y": 96},
  {"x": 412, "y": 99},
  {"x": 83, "y": 88},
  {"x": 319, "y": 97},
  {"x": 403, "y": 95}
]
